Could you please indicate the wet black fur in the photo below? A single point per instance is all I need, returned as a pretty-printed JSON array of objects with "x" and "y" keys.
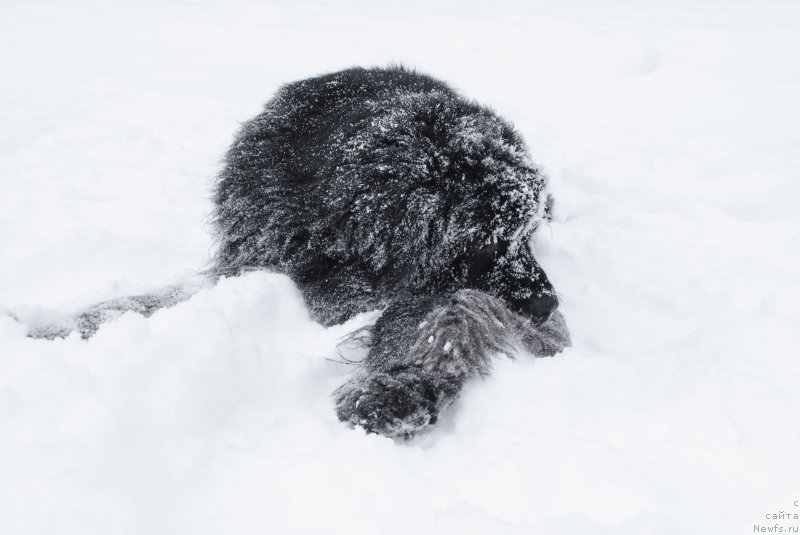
[{"x": 367, "y": 183}]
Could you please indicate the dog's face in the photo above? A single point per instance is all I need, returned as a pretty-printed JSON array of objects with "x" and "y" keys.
[{"x": 508, "y": 270}]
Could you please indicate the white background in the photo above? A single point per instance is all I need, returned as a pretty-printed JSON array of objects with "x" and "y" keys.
[{"x": 670, "y": 131}]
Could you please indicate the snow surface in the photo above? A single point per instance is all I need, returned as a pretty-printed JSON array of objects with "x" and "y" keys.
[{"x": 671, "y": 132}]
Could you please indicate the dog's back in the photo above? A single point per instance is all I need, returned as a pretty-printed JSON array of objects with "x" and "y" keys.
[{"x": 277, "y": 174}]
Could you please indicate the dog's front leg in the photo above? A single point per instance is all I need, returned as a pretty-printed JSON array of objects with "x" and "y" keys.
[{"x": 423, "y": 350}]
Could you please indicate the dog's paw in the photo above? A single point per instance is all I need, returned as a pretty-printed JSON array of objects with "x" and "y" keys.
[
  {"x": 396, "y": 403},
  {"x": 548, "y": 339}
]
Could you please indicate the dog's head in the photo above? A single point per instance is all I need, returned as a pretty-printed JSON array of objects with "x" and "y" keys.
[
  {"x": 494, "y": 210},
  {"x": 440, "y": 194}
]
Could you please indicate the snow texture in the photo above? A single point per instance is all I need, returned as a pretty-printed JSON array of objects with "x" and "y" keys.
[{"x": 669, "y": 131}]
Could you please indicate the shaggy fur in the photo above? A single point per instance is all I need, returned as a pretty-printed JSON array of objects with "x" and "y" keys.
[
  {"x": 425, "y": 348},
  {"x": 379, "y": 188}
]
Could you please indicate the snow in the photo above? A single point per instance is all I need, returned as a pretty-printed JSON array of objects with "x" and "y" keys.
[{"x": 670, "y": 132}]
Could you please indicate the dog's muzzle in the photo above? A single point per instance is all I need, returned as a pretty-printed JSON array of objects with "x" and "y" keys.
[{"x": 539, "y": 308}]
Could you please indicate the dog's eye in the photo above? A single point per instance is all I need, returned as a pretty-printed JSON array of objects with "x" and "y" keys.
[{"x": 483, "y": 259}]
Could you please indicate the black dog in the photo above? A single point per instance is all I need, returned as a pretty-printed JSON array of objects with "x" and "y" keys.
[{"x": 379, "y": 188}]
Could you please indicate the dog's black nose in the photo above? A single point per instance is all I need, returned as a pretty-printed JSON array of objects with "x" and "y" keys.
[{"x": 540, "y": 308}]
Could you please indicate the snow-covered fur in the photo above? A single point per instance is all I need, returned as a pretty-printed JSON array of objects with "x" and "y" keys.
[
  {"x": 367, "y": 183},
  {"x": 423, "y": 348},
  {"x": 384, "y": 187},
  {"x": 88, "y": 321},
  {"x": 377, "y": 188}
]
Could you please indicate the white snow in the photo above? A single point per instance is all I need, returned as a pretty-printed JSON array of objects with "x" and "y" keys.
[{"x": 671, "y": 132}]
